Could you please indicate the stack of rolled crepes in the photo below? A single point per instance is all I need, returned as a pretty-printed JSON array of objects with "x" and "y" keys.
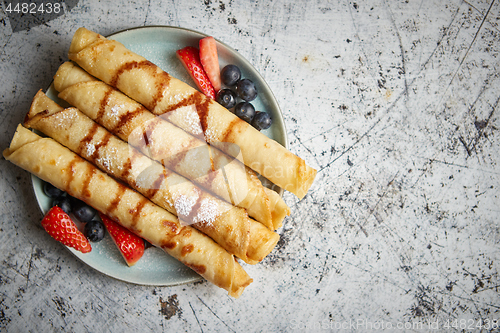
[
  {"x": 54, "y": 163},
  {"x": 228, "y": 225},
  {"x": 161, "y": 159}
]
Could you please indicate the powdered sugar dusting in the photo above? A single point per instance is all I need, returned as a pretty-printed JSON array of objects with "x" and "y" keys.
[
  {"x": 106, "y": 158},
  {"x": 210, "y": 135},
  {"x": 186, "y": 118},
  {"x": 65, "y": 117},
  {"x": 105, "y": 162},
  {"x": 89, "y": 149},
  {"x": 208, "y": 212},
  {"x": 184, "y": 204},
  {"x": 193, "y": 121}
]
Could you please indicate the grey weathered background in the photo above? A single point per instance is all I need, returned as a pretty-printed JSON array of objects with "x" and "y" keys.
[{"x": 394, "y": 102}]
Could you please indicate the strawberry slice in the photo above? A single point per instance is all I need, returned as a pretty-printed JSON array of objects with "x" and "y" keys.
[
  {"x": 190, "y": 58},
  {"x": 61, "y": 227},
  {"x": 210, "y": 60},
  {"x": 130, "y": 245}
]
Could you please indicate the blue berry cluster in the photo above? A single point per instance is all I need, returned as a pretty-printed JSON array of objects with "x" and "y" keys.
[{"x": 246, "y": 91}]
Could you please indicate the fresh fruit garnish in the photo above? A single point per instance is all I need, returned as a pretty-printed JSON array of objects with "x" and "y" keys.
[
  {"x": 226, "y": 98},
  {"x": 190, "y": 59},
  {"x": 245, "y": 111},
  {"x": 94, "y": 230},
  {"x": 246, "y": 90},
  {"x": 63, "y": 202},
  {"x": 130, "y": 245},
  {"x": 262, "y": 121},
  {"x": 59, "y": 225},
  {"x": 83, "y": 212},
  {"x": 210, "y": 61},
  {"x": 230, "y": 74}
]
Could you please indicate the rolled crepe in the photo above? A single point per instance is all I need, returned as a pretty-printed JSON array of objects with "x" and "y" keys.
[
  {"x": 54, "y": 163},
  {"x": 229, "y": 226},
  {"x": 189, "y": 109},
  {"x": 165, "y": 142}
]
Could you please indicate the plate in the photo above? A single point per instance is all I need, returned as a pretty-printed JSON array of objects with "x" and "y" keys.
[{"x": 158, "y": 44}]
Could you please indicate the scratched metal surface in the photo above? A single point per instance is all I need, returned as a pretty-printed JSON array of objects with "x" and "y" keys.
[{"x": 394, "y": 102}]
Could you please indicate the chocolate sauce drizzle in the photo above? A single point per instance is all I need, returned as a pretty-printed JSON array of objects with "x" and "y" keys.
[
  {"x": 102, "y": 107},
  {"x": 136, "y": 212},
  {"x": 163, "y": 78},
  {"x": 87, "y": 139},
  {"x": 125, "y": 119},
  {"x": 125, "y": 68},
  {"x": 127, "y": 167},
  {"x": 150, "y": 193},
  {"x": 86, "y": 193},
  {"x": 118, "y": 197}
]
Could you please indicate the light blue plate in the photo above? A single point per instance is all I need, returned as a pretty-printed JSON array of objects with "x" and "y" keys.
[{"x": 158, "y": 44}]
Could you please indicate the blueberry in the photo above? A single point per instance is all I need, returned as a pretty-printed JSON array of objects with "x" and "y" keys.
[
  {"x": 245, "y": 111},
  {"x": 63, "y": 202},
  {"x": 52, "y": 191},
  {"x": 246, "y": 90},
  {"x": 226, "y": 98},
  {"x": 230, "y": 75},
  {"x": 83, "y": 212},
  {"x": 94, "y": 230},
  {"x": 262, "y": 121}
]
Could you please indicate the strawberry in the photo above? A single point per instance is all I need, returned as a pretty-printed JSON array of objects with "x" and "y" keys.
[
  {"x": 190, "y": 58},
  {"x": 130, "y": 245},
  {"x": 61, "y": 227},
  {"x": 210, "y": 61}
]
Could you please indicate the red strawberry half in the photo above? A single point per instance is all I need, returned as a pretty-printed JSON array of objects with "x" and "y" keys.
[
  {"x": 61, "y": 227},
  {"x": 210, "y": 61},
  {"x": 190, "y": 58},
  {"x": 130, "y": 245}
]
